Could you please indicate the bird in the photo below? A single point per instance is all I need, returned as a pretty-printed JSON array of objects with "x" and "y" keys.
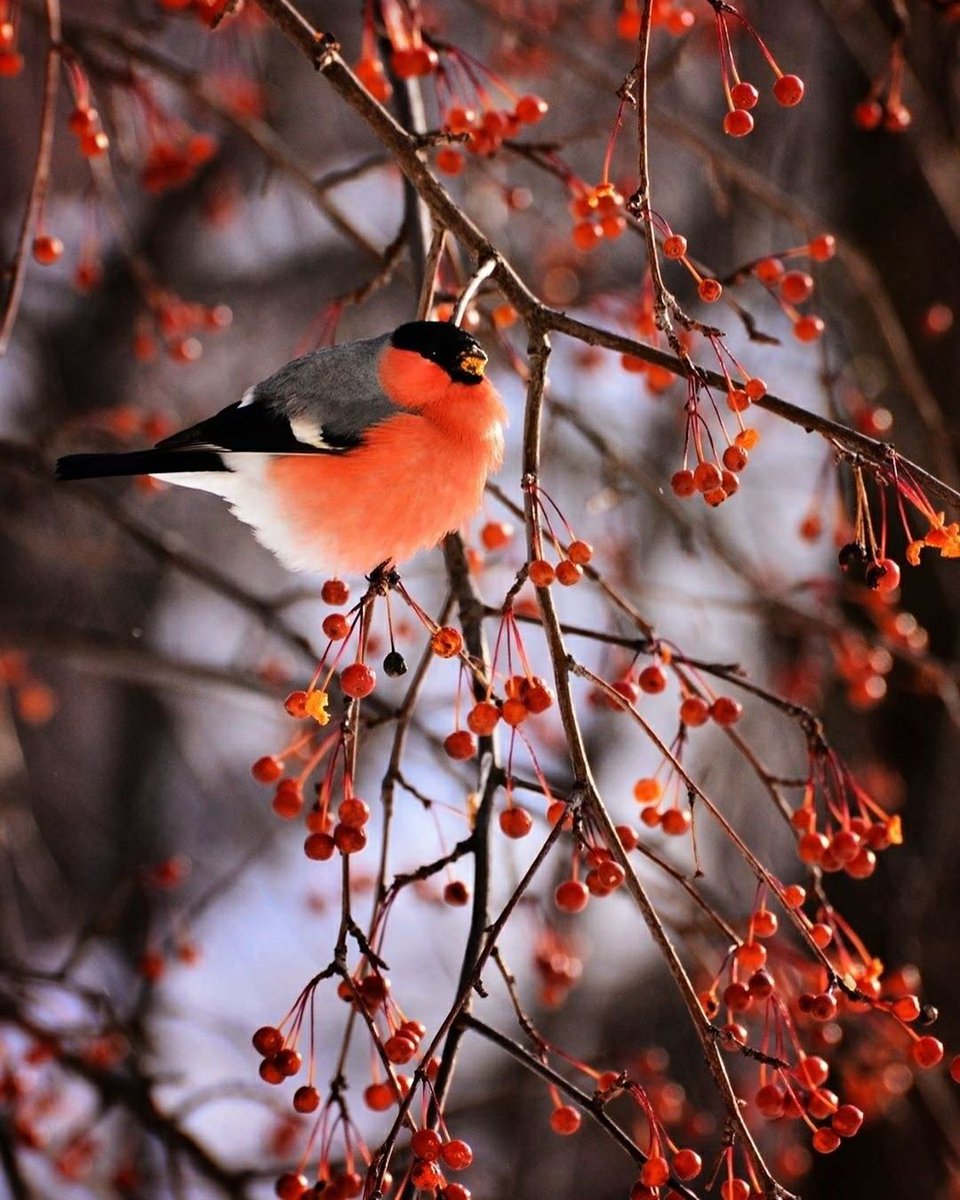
[{"x": 347, "y": 458}]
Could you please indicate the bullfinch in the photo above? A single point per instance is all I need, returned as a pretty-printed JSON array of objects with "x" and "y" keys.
[{"x": 346, "y": 458}]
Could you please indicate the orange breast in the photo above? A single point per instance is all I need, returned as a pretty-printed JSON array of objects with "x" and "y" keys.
[{"x": 416, "y": 477}]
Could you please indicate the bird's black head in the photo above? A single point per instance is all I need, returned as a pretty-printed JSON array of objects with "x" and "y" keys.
[{"x": 449, "y": 346}]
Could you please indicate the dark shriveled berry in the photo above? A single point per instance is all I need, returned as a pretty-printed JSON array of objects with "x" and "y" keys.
[
  {"x": 853, "y": 554},
  {"x": 394, "y": 664}
]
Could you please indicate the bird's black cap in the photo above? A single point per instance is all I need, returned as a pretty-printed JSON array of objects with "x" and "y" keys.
[{"x": 449, "y": 346}]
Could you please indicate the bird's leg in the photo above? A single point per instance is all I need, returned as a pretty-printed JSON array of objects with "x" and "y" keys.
[{"x": 383, "y": 578}]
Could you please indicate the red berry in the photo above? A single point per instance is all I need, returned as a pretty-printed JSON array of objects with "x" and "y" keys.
[
  {"x": 823, "y": 247},
  {"x": 267, "y": 769},
  {"x": 683, "y": 483},
  {"x": 725, "y": 711},
  {"x": 425, "y": 1144},
  {"x": 47, "y": 249},
  {"x": 652, "y": 680},
  {"x": 709, "y": 290},
  {"x": 808, "y": 329},
  {"x": 796, "y": 286},
  {"x": 687, "y": 1164},
  {"x": 531, "y": 109},
  {"x": 655, "y": 1172},
  {"x": 482, "y": 718},
  {"x": 694, "y": 711},
  {"x": 515, "y": 821},
  {"x": 674, "y": 246},
  {"x": 737, "y": 123},
  {"x": 496, "y": 534},
  {"x": 568, "y": 573},
  {"x": 788, "y": 90},
  {"x": 744, "y": 95},
  {"x": 336, "y": 626},
  {"x": 926, "y": 1052},
  {"x": 306, "y": 1099},
  {"x": 456, "y": 1155},
  {"x": 571, "y": 896},
  {"x": 460, "y": 745},
  {"x": 335, "y": 592},
  {"x": 357, "y": 680},
  {"x": 825, "y": 1141},
  {"x": 541, "y": 573},
  {"x": 565, "y": 1120},
  {"x": 580, "y": 553},
  {"x": 847, "y": 1120},
  {"x": 450, "y": 161}
]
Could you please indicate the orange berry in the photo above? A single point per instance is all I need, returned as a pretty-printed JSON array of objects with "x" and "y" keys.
[
  {"x": 674, "y": 246},
  {"x": 709, "y": 290},
  {"x": 568, "y": 573},
  {"x": 652, "y": 680},
  {"x": 580, "y": 553},
  {"x": 706, "y": 476},
  {"x": 496, "y": 534},
  {"x": 482, "y": 718},
  {"x": 514, "y": 712},
  {"x": 447, "y": 642},
  {"x": 735, "y": 458},
  {"x": 541, "y": 573},
  {"x": 725, "y": 710},
  {"x": 683, "y": 483},
  {"x": 647, "y": 790}
]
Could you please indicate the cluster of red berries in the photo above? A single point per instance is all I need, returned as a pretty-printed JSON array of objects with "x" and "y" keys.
[
  {"x": 485, "y": 130},
  {"x": 178, "y": 322},
  {"x": 862, "y": 668},
  {"x": 675, "y": 247},
  {"x": 211, "y": 11},
  {"x": 557, "y": 967},
  {"x": 717, "y": 481},
  {"x": 741, "y": 96},
  {"x": 793, "y": 287},
  {"x": 598, "y": 213},
  {"x": 883, "y": 107},
  {"x": 174, "y": 159},
  {"x": 84, "y": 123},
  {"x": 675, "y": 18},
  {"x": 568, "y": 571},
  {"x": 431, "y": 1154},
  {"x": 851, "y": 835}
]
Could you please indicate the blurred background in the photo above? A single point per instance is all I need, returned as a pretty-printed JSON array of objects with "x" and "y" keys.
[{"x": 154, "y": 910}]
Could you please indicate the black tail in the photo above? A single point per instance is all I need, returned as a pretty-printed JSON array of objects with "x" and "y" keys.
[{"x": 139, "y": 462}]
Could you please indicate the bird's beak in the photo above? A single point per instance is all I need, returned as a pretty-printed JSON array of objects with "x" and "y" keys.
[{"x": 473, "y": 364}]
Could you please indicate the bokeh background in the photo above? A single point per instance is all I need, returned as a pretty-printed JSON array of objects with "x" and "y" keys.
[{"x": 148, "y": 641}]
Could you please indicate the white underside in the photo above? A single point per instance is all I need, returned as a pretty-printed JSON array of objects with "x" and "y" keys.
[{"x": 246, "y": 490}]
